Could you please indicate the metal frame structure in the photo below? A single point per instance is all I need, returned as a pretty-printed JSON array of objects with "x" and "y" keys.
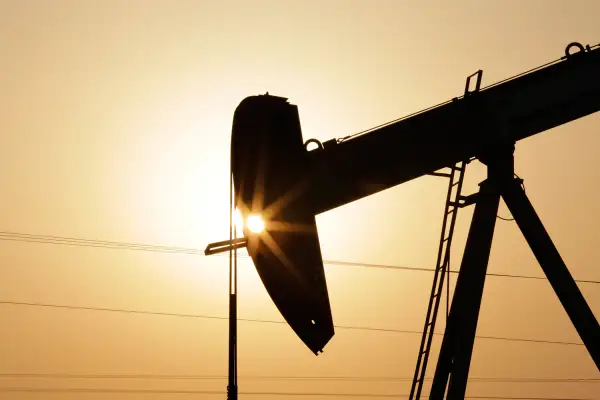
[
  {"x": 457, "y": 346},
  {"x": 484, "y": 124}
]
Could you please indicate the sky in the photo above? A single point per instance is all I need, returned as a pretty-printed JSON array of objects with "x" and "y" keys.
[{"x": 115, "y": 121}]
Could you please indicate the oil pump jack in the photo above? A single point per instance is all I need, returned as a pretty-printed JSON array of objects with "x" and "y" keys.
[{"x": 276, "y": 177}]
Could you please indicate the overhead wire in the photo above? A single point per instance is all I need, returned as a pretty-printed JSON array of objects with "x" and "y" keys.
[
  {"x": 216, "y": 317},
  {"x": 72, "y": 241},
  {"x": 73, "y": 376},
  {"x": 145, "y": 247},
  {"x": 423, "y": 269},
  {"x": 78, "y": 242},
  {"x": 256, "y": 393}
]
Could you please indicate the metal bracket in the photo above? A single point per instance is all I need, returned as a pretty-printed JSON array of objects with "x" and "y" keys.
[
  {"x": 465, "y": 201},
  {"x": 442, "y": 174},
  {"x": 225, "y": 245},
  {"x": 578, "y": 46},
  {"x": 479, "y": 75}
]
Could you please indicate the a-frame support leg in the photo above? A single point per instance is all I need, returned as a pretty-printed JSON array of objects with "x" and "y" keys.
[
  {"x": 554, "y": 267},
  {"x": 457, "y": 346}
]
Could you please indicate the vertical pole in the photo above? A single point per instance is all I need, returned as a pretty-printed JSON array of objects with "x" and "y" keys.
[
  {"x": 234, "y": 314},
  {"x": 554, "y": 267},
  {"x": 232, "y": 390},
  {"x": 457, "y": 345}
]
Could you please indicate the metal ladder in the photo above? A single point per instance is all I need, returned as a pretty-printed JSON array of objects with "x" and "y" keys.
[
  {"x": 442, "y": 268},
  {"x": 456, "y": 177}
]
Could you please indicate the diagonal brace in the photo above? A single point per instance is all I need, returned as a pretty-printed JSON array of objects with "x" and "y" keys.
[{"x": 554, "y": 267}]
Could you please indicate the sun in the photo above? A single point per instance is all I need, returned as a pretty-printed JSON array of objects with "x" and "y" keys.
[{"x": 255, "y": 223}]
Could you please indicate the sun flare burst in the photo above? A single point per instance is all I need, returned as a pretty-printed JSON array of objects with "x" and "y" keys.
[{"x": 255, "y": 223}]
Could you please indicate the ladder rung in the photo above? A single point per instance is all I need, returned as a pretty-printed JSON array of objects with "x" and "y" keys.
[
  {"x": 425, "y": 352},
  {"x": 456, "y": 183},
  {"x": 444, "y": 174}
]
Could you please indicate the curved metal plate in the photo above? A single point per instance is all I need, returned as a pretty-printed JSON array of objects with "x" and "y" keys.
[{"x": 268, "y": 163}]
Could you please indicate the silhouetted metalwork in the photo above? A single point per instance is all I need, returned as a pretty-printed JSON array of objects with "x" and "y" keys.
[
  {"x": 232, "y": 387},
  {"x": 276, "y": 177},
  {"x": 225, "y": 245},
  {"x": 269, "y": 171},
  {"x": 457, "y": 346},
  {"x": 442, "y": 269},
  {"x": 454, "y": 200}
]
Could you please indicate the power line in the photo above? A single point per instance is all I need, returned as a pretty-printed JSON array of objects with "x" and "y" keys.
[
  {"x": 397, "y": 267},
  {"x": 283, "y": 377},
  {"x": 218, "y": 392},
  {"x": 71, "y": 241},
  {"x": 204, "y": 316}
]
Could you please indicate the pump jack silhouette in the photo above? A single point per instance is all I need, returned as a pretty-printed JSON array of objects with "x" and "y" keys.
[{"x": 276, "y": 177}]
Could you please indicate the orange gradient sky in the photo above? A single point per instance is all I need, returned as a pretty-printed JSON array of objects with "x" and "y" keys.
[{"x": 115, "y": 121}]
